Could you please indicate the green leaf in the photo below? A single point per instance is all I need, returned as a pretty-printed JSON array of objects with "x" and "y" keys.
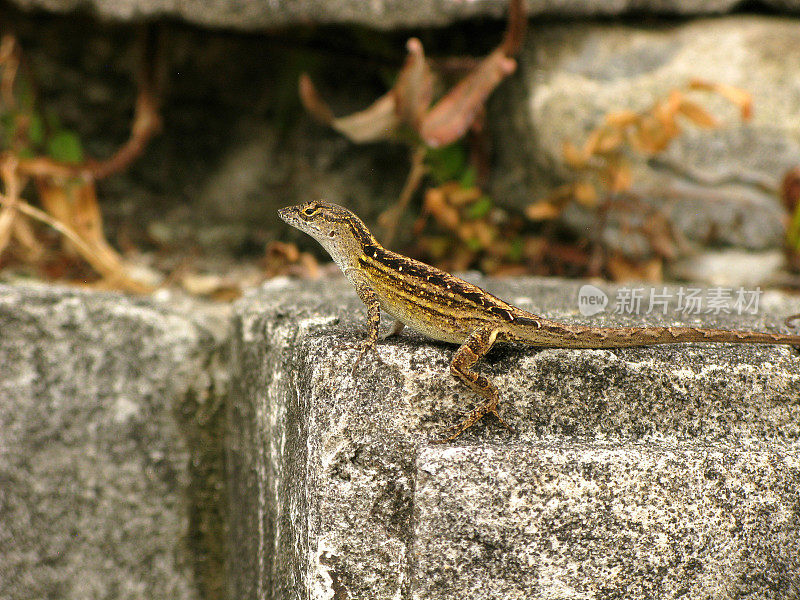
[
  {"x": 65, "y": 146},
  {"x": 793, "y": 231},
  {"x": 447, "y": 163},
  {"x": 35, "y": 129},
  {"x": 52, "y": 120},
  {"x": 468, "y": 178},
  {"x": 515, "y": 250},
  {"x": 474, "y": 244},
  {"x": 24, "y": 93},
  {"x": 480, "y": 208}
]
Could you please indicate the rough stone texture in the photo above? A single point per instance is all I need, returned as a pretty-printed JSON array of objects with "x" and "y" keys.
[
  {"x": 601, "y": 520},
  {"x": 261, "y": 14},
  {"x": 95, "y": 445},
  {"x": 716, "y": 186},
  {"x": 335, "y": 492}
]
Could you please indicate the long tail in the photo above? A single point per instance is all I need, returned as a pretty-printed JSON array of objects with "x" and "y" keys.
[{"x": 578, "y": 336}]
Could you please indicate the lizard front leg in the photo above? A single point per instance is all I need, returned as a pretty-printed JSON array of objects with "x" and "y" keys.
[
  {"x": 370, "y": 299},
  {"x": 476, "y": 345}
]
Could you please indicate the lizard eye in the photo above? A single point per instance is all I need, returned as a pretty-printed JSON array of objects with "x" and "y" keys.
[{"x": 309, "y": 211}]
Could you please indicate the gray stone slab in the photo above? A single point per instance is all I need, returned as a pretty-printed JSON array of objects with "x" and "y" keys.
[
  {"x": 583, "y": 521},
  {"x": 97, "y": 433},
  {"x": 322, "y": 458},
  {"x": 384, "y": 14}
]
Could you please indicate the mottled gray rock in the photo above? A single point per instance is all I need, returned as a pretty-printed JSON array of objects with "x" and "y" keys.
[
  {"x": 729, "y": 268},
  {"x": 717, "y": 187},
  {"x": 260, "y": 14},
  {"x": 604, "y": 520},
  {"x": 97, "y": 433},
  {"x": 324, "y": 468}
]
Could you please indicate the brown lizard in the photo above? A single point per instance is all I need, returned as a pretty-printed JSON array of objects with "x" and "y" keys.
[{"x": 444, "y": 307}]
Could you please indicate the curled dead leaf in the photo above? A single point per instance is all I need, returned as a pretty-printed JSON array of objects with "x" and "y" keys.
[
  {"x": 623, "y": 269},
  {"x": 451, "y": 116},
  {"x": 741, "y": 98},
  {"x": 436, "y": 205},
  {"x": 696, "y": 114},
  {"x": 543, "y": 210},
  {"x": 610, "y": 140},
  {"x": 313, "y": 102},
  {"x": 621, "y": 118},
  {"x": 585, "y": 194},
  {"x": 413, "y": 91},
  {"x": 282, "y": 258},
  {"x": 572, "y": 156},
  {"x": 377, "y": 122}
]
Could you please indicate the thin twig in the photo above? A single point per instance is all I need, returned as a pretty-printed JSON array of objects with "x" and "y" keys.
[
  {"x": 390, "y": 218},
  {"x": 146, "y": 123}
]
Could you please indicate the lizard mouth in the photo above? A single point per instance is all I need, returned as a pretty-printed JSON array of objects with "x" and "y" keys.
[{"x": 285, "y": 214}]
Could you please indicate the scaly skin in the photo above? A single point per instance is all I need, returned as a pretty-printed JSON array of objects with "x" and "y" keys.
[{"x": 447, "y": 308}]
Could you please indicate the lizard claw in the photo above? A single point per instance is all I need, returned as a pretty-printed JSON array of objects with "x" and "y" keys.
[
  {"x": 472, "y": 419},
  {"x": 364, "y": 347}
]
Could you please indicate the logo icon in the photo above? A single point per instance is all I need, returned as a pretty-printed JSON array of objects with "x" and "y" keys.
[{"x": 591, "y": 300}]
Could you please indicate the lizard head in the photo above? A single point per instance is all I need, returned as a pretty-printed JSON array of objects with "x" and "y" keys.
[{"x": 339, "y": 231}]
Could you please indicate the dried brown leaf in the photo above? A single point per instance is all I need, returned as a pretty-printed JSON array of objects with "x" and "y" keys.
[
  {"x": 450, "y": 118},
  {"x": 696, "y": 114},
  {"x": 623, "y": 269},
  {"x": 664, "y": 113},
  {"x": 741, "y": 98},
  {"x": 515, "y": 30},
  {"x": 543, "y": 210},
  {"x": 457, "y": 195},
  {"x": 283, "y": 258},
  {"x": 591, "y": 144},
  {"x": 572, "y": 156},
  {"x": 377, "y": 122},
  {"x": 7, "y": 217},
  {"x": 622, "y": 118},
  {"x": 649, "y": 136},
  {"x": 585, "y": 194},
  {"x": 444, "y": 214},
  {"x": 74, "y": 205},
  {"x": 790, "y": 190},
  {"x": 313, "y": 102},
  {"x": 619, "y": 177},
  {"x": 609, "y": 140},
  {"x": 24, "y": 235},
  {"x": 413, "y": 91}
]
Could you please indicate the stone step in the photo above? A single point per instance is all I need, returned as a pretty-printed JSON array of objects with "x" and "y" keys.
[
  {"x": 104, "y": 474},
  {"x": 331, "y": 496},
  {"x": 602, "y": 520}
]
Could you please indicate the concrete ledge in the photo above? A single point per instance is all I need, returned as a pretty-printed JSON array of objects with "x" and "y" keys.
[
  {"x": 331, "y": 496},
  {"x": 97, "y": 439}
]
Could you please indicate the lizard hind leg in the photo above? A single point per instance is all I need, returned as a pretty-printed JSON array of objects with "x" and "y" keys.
[{"x": 476, "y": 346}]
